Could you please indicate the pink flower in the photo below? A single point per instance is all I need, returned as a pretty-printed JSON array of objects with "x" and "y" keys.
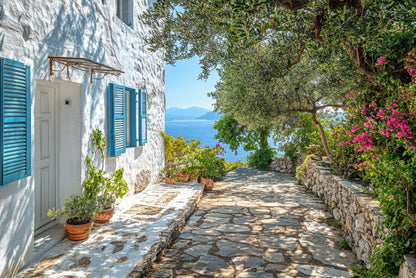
[
  {"x": 363, "y": 112},
  {"x": 341, "y": 143},
  {"x": 385, "y": 132},
  {"x": 380, "y": 61},
  {"x": 395, "y": 105},
  {"x": 382, "y": 113},
  {"x": 350, "y": 95},
  {"x": 368, "y": 125},
  {"x": 355, "y": 128},
  {"x": 359, "y": 150}
]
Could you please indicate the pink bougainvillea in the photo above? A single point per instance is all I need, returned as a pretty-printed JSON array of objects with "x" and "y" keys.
[{"x": 381, "y": 60}]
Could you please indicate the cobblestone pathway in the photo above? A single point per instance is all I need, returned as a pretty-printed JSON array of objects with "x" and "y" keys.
[{"x": 257, "y": 224}]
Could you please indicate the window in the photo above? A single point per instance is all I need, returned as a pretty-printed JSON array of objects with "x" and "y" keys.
[
  {"x": 122, "y": 118},
  {"x": 15, "y": 130},
  {"x": 142, "y": 117},
  {"x": 125, "y": 11}
]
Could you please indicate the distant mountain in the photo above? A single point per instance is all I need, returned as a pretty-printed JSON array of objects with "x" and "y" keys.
[
  {"x": 209, "y": 116},
  {"x": 191, "y": 113}
]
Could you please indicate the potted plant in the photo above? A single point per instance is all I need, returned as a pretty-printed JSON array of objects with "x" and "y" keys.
[
  {"x": 101, "y": 186},
  {"x": 210, "y": 166},
  {"x": 80, "y": 211},
  {"x": 169, "y": 172},
  {"x": 113, "y": 188},
  {"x": 186, "y": 166}
]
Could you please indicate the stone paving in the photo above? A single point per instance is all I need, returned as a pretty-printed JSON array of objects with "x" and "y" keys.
[
  {"x": 141, "y": 227},
  {"x": 257, "y": 224}
]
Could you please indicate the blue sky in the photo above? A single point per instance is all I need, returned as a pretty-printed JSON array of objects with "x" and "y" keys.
[{"x": 183, "y": 89}]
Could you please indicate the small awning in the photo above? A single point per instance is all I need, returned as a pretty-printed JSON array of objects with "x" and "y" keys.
[{"x": 81, "y": 63}]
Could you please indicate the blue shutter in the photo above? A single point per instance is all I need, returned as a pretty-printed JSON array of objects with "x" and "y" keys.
[
  {"x": 15, "y": 133},
  {"x": 117, "y": 119},
  {"x": 132, "y": 117},
  {"x": 142, "y": 117}
]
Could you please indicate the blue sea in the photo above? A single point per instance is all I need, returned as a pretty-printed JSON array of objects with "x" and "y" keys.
[{"x": 203, "y": 130}]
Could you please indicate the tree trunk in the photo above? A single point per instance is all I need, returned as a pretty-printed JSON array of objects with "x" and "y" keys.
[
  {"x": 322, "y": 133},
  {"x": 264, "y": 134}
]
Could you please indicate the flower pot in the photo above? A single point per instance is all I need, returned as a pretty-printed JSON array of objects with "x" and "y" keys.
[
  {"x": 184, "y": 176},
  {"x": 104, "y": 215},
  {"x": 170, "y": 180},
  {"x": 80, "y": 232},
  {"x": 209, "y": 183},
  {"x": 194, "y": 177}
]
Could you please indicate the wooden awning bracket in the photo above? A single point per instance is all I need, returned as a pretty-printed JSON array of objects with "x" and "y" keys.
[{"x": 81, "y": 64}]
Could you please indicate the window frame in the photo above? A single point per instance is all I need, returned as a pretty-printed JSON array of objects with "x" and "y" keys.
[
  {"x": 120, "y": 7},
  {"x": 143, "y": 116}
]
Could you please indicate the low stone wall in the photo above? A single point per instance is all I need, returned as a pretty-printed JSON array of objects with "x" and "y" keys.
[
  {"x": 282, "y": 165},
  {"x": 358, "y": 213},
  {"x": 408, "y": 267}
]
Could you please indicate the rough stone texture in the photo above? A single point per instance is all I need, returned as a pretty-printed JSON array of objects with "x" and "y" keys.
[
  {"x": 358, "y": 213},
  {"x": 257, "y": 236},
  {"x": 33, "y": 30},
  {"x": 128, "y": 244},
  {"x": 408, "y": 267},
  {"x": 284, "y": 165},
  {"x": 143, "y": 179}
]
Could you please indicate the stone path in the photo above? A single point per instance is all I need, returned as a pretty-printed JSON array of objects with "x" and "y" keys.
[
  {"x": 141, "y": 227},
  {"x": 257, "y": 224}
]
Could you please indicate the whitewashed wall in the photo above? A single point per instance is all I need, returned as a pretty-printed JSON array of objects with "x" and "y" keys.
[{"x": 32, "y": 30}]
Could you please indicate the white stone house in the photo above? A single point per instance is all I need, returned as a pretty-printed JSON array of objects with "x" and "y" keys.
[{"x": 49, "y": 108}]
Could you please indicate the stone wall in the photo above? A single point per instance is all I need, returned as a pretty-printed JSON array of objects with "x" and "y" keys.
[
  {"x": 358, "y": 213},
  {"x": 282, "y": 165}
]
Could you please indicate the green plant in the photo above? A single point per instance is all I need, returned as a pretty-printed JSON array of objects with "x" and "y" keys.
[
  {"x": 170, "y": 170},
  {"x": 336, "y": 224},
  {"x": 210, "y": 165},
  {"x": 98, "y": 184},
  {"x": 229, "y": 166},
  {"x": 344, "y": 244},
  {"x": 261, "y": 158},
  {"x": 301, "y": 169},
  {"x": 80, "y": 210}
]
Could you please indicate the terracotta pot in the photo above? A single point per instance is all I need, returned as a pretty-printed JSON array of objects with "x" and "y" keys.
[
  {"x": 79, "y": 232},
  {"x": 184, "y": 176},
  {"x": 169, "y": 180},
  {"x": 194, "y": 177},
  {"x": 104, "y": 215},
  {"x": 209, "y": 183}
]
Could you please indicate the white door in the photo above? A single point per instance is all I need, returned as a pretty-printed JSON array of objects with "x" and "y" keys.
[{"x": 44, "y": 154}]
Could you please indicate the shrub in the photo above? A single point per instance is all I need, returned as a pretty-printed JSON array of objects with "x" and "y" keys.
[{"x": 261, "y": 158}]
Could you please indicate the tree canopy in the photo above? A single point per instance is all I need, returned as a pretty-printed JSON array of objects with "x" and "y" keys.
[{"x": 216, "y": 30}]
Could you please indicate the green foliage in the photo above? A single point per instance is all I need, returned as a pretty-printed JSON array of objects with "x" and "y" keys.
[
  {"x": 344, "y": 244},
  {"x": 301, "y": 169},
  {"x": 178, "y": 147},
  {"x": 229, "y": 166},
  {"x": 79, "y": 209},
  {"x": 210, "y": 166},
  {"x": 98, "y": 185},
  {"x": 171, "y": 170},
  {"x": 261, "y": 158},
  {"x": 230, "y": 132},
  {"x": 336, "y": 224}
]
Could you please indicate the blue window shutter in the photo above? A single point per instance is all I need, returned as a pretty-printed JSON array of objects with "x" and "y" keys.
[
  {"x": 142, "y": 117},
  {"x": 15, "y": 121},
  {"x": 117, "y": 119},
  {"x": 132, "y": 119}
]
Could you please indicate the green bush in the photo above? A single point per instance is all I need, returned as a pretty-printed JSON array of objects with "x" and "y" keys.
[
  {"x": 261, "y": 158},
  {"x": 301, "y": 169}
]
